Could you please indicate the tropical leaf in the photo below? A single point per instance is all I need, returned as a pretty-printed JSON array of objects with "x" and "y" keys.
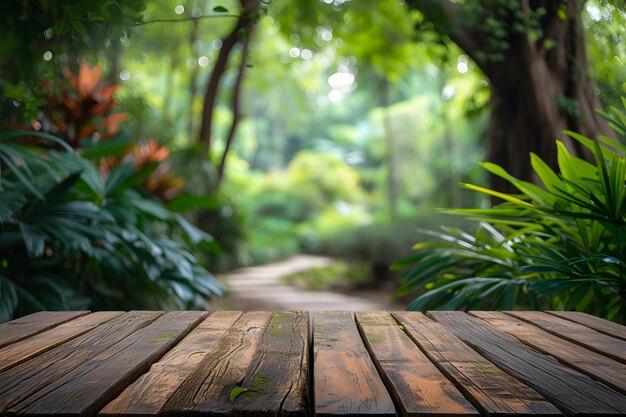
[
  {"x": 562, "y": 245},
  {"x": 8, "y": 299}
]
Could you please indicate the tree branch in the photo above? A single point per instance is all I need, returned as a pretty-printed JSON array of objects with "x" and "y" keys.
[
  {"x": 210, "y": 95},
  {"x": 141, "y": 23},
  {"x": 235, "y": 107},
  {"x": 445, "y": 15},
  {"x": 193, "y": 82}
]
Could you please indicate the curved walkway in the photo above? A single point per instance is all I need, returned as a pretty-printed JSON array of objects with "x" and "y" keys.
[{"x": 261, "y": 288}]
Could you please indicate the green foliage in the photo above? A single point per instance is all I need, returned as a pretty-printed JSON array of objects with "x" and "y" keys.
[
  {"x": 71, "y": 238},
  {"x": 338, "y": 273},
  {"x": 604, "y": 21},
  {"x": 562, "y": 245},
  {"x": 290, "y": 210},
  {"x": 375, "y": 245}
]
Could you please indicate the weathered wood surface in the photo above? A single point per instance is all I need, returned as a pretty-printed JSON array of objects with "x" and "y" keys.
[
  {"x": 150, "y": 392},
  {"x": 21, "y": 351},
  {"x": 414, "y": 382},
  {"x": 345, "y": 380},
  {"x": 268, "y": 364},
  {"x": 32, "y": 324},
  {"x": 86, "y": 389},
  {"x": 208, "y": 388},
  {"x": 603, "y": 326},
  {"x": 571, "y": 391},
  {"x": 278, "y": 377},
  {"x": 576, "y": 333},
  {"x": 28, "y": 378},
  {"x": 593, "y": 364},
  {"x": 491, "y": 390}
]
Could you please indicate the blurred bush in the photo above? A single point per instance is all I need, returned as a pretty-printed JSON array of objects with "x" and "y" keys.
[
  {"x": 337, "y": 275},
  {"x": 290, "y": 211},
  {"x": 378, "y": 245}
]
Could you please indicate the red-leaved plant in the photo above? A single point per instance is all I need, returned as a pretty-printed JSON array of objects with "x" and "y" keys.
[{"x": 80, "y": 108}]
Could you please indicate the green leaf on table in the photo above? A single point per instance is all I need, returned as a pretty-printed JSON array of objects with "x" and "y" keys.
[{"x": 236, "y": 392}]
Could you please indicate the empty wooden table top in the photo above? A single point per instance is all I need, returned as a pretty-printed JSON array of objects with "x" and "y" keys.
[{"x": 286, "y": 363}]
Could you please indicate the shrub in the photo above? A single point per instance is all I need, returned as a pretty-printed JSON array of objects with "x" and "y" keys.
[
  {"x": 375, "y": 245},
  {"x": 91, "y": 230},
  {"x": 71, "y": 239},
  {"x": 336, "y": 274},
  {"x": 561, "y": 245}
]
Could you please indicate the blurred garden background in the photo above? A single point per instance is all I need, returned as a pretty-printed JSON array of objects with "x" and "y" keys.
[{"x": 150, "y": 146}]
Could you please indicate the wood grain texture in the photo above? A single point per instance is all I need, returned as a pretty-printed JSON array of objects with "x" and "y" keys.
[
  {"x": 416, "y": 384},
  {"x": 207, "y": 388},
  {"x": 16, "y": 330},
  {"x": 26, "y": 379},
  {"x": 573, "y": 392},
  {"x": 25, "y": 349},
  {"x": 150, "y": 392},
  {"x": 492, "y": 391},
  {"x": 593, "y": 364},
  {"x": 86, "y": 389},
  {"x": 346, "y": 382},
  {"x": 596, "y": 323},
  {"x": 278, "y": 377},
  {"x": 576, "y": 333}
]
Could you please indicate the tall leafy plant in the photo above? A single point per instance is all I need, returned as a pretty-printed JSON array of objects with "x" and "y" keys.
[
  {"x": 83, "y": 220},
  {"x": 71, "y": 238},
  {"x": 560, "y": 244}
]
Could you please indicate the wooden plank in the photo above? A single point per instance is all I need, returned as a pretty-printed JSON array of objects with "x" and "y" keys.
[
  {"x": 596, "y": 323},
  {"x": 151, "y": 391},
  {"x": 576, "y": 333},
  {"x": 16, "y": 330},
  {"x": 86, "y": 389},
  {"x": 415, "y": 383},
  {"x": 593, "y": 364},
  {"x": 29, "y": 377},
  {"x": 573, "y": 392},
  {"x": 19, "y": 352},
  {"x": 208, "y": 388},
  {"x": 278, "y": 377},
  {"x": 345, "y": 380},
  {"x": 492, "y": 391}
]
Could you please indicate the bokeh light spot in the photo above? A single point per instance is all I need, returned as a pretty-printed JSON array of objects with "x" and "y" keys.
[{"x": 203, "y": 61}]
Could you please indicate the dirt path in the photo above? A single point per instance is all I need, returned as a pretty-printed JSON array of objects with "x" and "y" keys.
[{"x": 261, "y": 288}]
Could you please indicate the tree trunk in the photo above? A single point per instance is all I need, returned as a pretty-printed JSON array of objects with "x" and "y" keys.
[
  {"x": 193, "y": 82},
  {"x": 242, "y": 28},
  {"x": 537, "y": 93},
  {"x": 235, "y": 107},
  {"x": 540, "y": 88},
  {"x": 393, "y": 176},
  {"x": 451, "y": 182},
  {"x": 170, "y": 86},
  {"x": 113, "y": 60}
]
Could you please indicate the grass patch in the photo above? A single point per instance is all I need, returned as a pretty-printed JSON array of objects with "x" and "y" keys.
[{"x": 337, "y": 274}]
